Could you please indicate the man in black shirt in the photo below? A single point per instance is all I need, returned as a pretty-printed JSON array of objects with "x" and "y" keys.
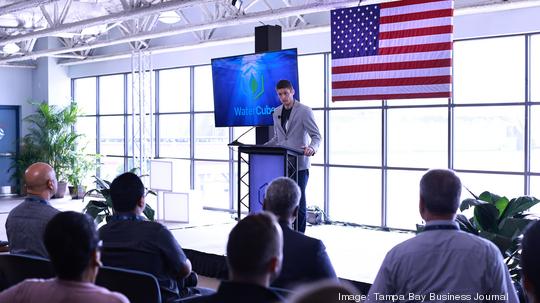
[{"x": 130, "y": 241}]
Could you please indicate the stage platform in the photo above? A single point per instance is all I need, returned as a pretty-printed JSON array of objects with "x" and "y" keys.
[{"x": 355, "y": 252}]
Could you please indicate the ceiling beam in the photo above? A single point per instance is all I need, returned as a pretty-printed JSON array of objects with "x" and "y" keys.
[
  {"x": 111, "y": 18},
  {"x": 230, "y": 21},
  {"x": 22, "y": 5}
]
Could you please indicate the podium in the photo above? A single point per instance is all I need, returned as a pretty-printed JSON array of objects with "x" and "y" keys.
[{"x": 258, "y": 165}]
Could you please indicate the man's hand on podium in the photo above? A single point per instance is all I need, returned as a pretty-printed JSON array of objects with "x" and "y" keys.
[{"x": 308, "y": 151}]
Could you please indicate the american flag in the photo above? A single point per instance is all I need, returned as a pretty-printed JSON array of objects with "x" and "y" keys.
[{"x": 392, "y": 50}]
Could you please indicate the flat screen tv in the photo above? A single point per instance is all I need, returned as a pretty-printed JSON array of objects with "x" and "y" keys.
[{"x": 244, "y": 86}]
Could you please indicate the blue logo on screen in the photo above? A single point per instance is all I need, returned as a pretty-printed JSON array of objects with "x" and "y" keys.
[{"x": 252, "y": 83}]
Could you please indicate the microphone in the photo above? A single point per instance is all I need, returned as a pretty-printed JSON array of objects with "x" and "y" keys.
[{"x": 238, "y": 143}]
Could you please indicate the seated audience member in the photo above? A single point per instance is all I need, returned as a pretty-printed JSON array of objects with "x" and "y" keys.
[
  {"x": 130, "y": 241},
  {"x": 442, "y": 263},
  {"x": 326, "y": 291},
  {"x": 254, "y": 253},
  {"x": 530, "y": 262},
  {"x": 26, "y": 223},
  {"x": 73, "y": 245},
  {"x": 304, "y": 258}
]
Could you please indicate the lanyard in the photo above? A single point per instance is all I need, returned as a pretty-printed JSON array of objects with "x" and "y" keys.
[
  {"x": 37, "y": 199},
  {"x": 130, "y": 217},
  {"x": 440, "y": 227}
]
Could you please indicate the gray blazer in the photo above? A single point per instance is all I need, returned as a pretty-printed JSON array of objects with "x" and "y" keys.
[{"x": 301, "y": 127}]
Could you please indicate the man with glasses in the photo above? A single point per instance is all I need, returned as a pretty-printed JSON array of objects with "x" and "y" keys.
[{"x": 131, "y": 241}]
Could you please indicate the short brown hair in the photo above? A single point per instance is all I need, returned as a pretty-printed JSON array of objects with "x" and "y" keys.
[{"x": 284, "y": 84}]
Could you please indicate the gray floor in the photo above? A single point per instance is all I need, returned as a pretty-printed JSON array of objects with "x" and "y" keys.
[{"x": 356, "y": 253}]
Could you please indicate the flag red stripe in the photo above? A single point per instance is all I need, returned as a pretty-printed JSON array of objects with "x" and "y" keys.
[
  {"x": 391, "y": 66},
  {"x": 393, "y": 82},
  {"x": 415, "y": 48},
  {"x": 417, "y": 16},
  {"x": 415, "y": 32},
  {"x": 405, "y": 2},
  {"x": 392, "y": 96}
]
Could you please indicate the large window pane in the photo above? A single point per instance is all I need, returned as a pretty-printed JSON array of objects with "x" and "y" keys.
[
  {"x": 424, "y": 101},
  {"x": 355, "y": 137},
  {"x": 85, "y": 95},
  {"x": 403, "y": 199},
  {"x": 315, "y": 187},
  {"x": 111, "y": 141},
  {"x": 535, "y": 138},
  {"x": 204, "y": 93},
  {"x": 149, "y": 148},
  {"x": 174, "y": 90},
  {"x": 212, "y": 181},
  {"x": 355, "y": 195},
  {"x": 535, "y": 192},
  {"x": 181, "y": 173},
  {"x": 87, "y": 127},
  {"x": 210, "y": 142},
  {"x": 311, "y": 77},
  {"x": 489, "y": 138},
  {"x": 111, "y": 94},
  {"x": 535, "y": 68},
  {"x": 111, "y": 167},
  {"x": 502, "y": 185},
  {"x": 174, "y": 136},
  {"x": 417, "y": 137},
  {"x": 489, "y": 70}
]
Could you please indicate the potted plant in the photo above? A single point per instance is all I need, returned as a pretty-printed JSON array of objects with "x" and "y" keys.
[
  {"x": 80, "y": 167},
  {"x": 100, "y": 206},
  {"x": 28, "y": 154},
  {"x": 501, "y": 221},
  {"x": 51, "y": 139}
]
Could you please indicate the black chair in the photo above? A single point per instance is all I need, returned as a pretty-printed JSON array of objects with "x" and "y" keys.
[
  {"x": 17, "y": 268},
  {"x": 138, "y": 286}
]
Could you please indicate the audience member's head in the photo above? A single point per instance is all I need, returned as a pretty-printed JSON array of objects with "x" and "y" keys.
[
  {"x": 530, "y": 261},
  {"x": 282, "y": 198},
  {"x": 326, "y": 291},
  {"x": 127, "y": 194},
  {"x": 440, "y": 191},
  {"x": 72, "y": 242},
  {"x": 40, "y": 180},
  {"x": 284, "y": 84},
  {"x": 255, "y": 249}
]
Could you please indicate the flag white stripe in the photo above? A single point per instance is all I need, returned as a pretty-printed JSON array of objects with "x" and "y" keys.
[
  {"x": 390, "y": 74},
  {"x": 415, "y": 8},
  {"x": 407, "y": 89},
  {"x": 415, "y": 40},
  {"x": 390, "y": 27},
  {"x": 392, "y": 58}
]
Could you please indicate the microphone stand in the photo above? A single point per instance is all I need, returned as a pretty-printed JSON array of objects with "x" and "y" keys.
[{"x": 238, "y": 143}]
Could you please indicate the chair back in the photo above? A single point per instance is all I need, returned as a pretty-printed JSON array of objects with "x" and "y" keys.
[
  {"x": 138, "y": 286},
  {"x": 16, "y": 268}
]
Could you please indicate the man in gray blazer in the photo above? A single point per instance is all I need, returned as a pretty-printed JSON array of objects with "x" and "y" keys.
[{"x": 293, "y": 124}]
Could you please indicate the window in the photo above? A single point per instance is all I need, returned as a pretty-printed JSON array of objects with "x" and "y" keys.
[
  {"x": 174, "y": 136},
  {"x": 174, "y": 90},
  {"x": 85, "y": 95},
  {"x": 111, "y": 94},
  {"x": 311, "y": 78}
]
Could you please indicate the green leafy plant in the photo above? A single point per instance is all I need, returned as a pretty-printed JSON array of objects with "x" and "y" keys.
[
  {"x": 101, "y": 207},
  {"x": 501, "y": 221}
]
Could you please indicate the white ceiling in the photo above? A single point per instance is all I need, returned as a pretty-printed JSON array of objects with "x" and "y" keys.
[{"x": 82, "y": 27}]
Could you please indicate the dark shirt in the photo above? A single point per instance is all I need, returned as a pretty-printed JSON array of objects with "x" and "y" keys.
[
  {"x": 25, "y": 226},
  {"x": 234, "y": 292},
  {"x": 285, "y": 114},
  {"x": 146, "y": 246},
  {"x": 304, "y": 260}
]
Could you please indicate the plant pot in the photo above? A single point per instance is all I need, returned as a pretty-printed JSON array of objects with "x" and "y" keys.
[
  {"x": 61, "y": 191},
  {"x": 77, "y": 192}
]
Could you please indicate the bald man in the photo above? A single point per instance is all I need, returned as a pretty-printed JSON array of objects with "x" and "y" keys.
[{"x": 26, "y": 223}]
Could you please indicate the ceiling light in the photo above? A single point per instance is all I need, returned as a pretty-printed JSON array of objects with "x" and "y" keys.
[
  {"x": 169, "y": 17},
  {"x": 11, "y": 48},
  {"x": 9, "y": 20}
]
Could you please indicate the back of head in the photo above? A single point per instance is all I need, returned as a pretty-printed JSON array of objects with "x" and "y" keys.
[
  {"x": 326, "y": 291},
  {"x": 530, "y": 262},
  {"x": 252, "y": 243},
  {"x": 40, "y": 177},
  {"x": 70, "y": 239},
  {"x": 126, "y": 191},
  {"x": 282, "y": 197},
  {"x": 440, "y": 190},
  {"x": 284, "y": 84}
]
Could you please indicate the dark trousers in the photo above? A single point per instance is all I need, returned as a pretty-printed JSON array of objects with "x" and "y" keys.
[{"x": 303, "y": 176}]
